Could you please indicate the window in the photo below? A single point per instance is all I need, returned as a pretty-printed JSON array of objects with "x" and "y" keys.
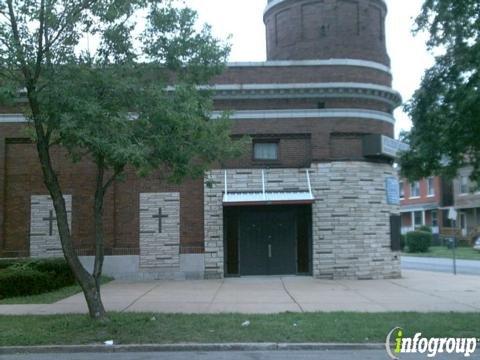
[
  {"x": 434, "y": 218},
  {"x": 431, "y": 186},
  {"x": 265, "y": 151},
  {"x": 446, "y": 222},
  {"x": 418, "y": 218},
  {"x": 464, "y": 185},
  {"x": 415, "y": 189},
  {"x": 401, "y": 190}
]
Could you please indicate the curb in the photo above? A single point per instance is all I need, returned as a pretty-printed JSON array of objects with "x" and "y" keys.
[{"x": 56, "y": 349}]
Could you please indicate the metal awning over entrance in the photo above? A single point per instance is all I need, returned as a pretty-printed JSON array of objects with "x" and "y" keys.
[{"x": 265, "y": 197}]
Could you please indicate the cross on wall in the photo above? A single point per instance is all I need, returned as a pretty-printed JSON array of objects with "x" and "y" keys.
[
  {"x": 50, "y": 220},
  {"x": 159, "y": 217}
]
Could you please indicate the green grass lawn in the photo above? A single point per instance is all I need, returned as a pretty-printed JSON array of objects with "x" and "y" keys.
[
  {"x": 49, "y": 297},
  {"x": 465, "y": 253},
  {"x": 131, "y": 328}
]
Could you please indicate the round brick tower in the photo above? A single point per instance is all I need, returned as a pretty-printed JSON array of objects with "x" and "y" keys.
[{"x": 324, "y": 29}]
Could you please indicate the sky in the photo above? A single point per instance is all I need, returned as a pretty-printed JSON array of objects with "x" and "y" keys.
[{"x": 243, "y": 21}]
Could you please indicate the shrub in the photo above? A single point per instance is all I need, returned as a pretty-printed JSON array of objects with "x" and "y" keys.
[
  {"x": 58, "y": 268},
  {"x": 21, "y": 282},
  {"x": 419, "y": 241},
  {"x": 31, "y": 277},
  {"x": 6, "y": 263}
]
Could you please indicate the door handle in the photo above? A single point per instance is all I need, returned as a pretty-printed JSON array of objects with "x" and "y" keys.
[{"x": 270, "y": 251}]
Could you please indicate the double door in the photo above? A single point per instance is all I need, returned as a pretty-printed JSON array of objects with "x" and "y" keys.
[{"x": 267, "y": 239}]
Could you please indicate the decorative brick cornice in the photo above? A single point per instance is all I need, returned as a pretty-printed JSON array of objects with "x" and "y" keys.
[{"x": 309, "y": 90}]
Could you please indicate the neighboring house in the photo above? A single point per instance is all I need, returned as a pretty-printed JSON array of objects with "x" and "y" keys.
[
  {"x": 310, "y": 197},
  {"x": 425, "y": 203},
  {"x": 467, "y": 203}
]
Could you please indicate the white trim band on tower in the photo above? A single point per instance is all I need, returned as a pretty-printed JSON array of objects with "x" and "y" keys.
[
  {"x": 327, "y": 62},
  {"x": 12, "y": 118},
  {"x": 306, "y": 114},
  {"x": 270, "y": 114}
]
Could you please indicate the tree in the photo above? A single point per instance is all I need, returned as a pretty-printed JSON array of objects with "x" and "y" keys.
[
  {"x": 445, "y": 110},
  {"x": 134, "y": 101}
]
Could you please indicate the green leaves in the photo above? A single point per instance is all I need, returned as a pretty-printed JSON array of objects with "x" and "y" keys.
[
  {"x": 445, "y": 110},
  {"x": 114, "y": 102}
]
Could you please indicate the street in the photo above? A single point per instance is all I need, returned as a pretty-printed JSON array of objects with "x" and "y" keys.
[
  {"x": 464, "y": 267},
  {"x": 267, "y": 355}
]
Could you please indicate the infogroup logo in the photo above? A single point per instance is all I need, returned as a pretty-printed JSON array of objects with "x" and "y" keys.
[{"x": 397, "y": 344}]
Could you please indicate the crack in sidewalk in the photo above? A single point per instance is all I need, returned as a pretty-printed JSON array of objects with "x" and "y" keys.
[
  {"x": 140, "y": 297},
  {"x": 215, "y": 295},
  {"x": 291, "y": 296}
]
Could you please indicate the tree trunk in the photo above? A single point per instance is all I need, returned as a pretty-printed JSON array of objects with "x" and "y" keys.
[
  {"x": 84, "y": 279},
  {"x": 98, "y": 220}
]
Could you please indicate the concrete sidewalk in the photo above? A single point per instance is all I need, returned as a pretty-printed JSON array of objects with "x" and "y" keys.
[{"x": 416, "y": 291}]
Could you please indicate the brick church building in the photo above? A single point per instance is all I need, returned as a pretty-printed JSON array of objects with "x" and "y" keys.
[{"x": 312, "y": 197}]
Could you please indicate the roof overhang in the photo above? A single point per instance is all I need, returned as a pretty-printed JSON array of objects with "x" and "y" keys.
[{"x": 267, "y": 198}]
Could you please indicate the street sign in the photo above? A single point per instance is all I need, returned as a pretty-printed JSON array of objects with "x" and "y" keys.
[
  {"x": 393, "y": 191},
  {"x": 452, "y": 214}
]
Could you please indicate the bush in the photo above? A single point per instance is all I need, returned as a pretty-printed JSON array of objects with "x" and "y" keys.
[
  {"x": 58, "y": 268},
  {"x": 7, "y": 263},
  {"x": 21, "y": 282},
  {"x": 419, "y": 241},
  {"x": 31, "y": 277}
]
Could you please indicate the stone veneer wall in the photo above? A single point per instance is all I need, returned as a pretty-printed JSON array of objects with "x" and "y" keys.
[
  {"x": 160, "y": 250},
  {"x": 43, "y": 243},
  {"x": 351, "y": 217}
]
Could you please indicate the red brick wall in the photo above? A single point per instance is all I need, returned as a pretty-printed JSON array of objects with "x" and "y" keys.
[
  {"x": 22, "y": 178},
  {"x": 302, "y": 29},
  {"x": 302, "y": 74},
  {"x": 279, "y": 104},
  {"x": 315, "y": 140},
  {"x": 301, "y": 141},
  {"x": 424, "y": 198},
  {"x": 294, "y": 151},
  {"x": 320, "y": 131}
]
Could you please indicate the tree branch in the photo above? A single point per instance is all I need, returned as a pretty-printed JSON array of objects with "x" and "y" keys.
[
  {"x": 18, "y": 43},
  {"x": 40, "y": 49},
  {"x": 117, "y": 172},
  {"x": 85, "y": 5}
]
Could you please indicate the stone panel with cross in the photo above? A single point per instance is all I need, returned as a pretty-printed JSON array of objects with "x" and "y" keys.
[
  {"x": 44, "y": 237},
  {"x": 160, "y": 230}
]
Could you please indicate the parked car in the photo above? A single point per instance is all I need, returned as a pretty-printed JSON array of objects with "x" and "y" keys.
[{"x": 476, "y": 244}]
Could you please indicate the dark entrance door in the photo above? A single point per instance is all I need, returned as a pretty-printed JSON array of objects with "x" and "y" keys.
[{"x": 267, "y": 239}]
